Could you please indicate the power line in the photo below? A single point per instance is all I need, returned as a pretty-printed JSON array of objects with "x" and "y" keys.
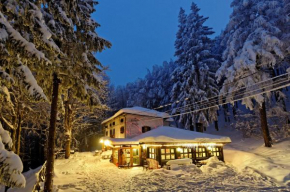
[
  {"x": 178, "y": 101},
  {"x": 213, "y": 99},
  {"x": 226, "y": 102}
]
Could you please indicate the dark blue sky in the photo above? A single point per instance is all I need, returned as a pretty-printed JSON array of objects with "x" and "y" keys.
[{"x": 143, "y": 32}]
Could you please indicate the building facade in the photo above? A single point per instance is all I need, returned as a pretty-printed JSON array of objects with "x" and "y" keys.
[{"x": 135, "y": 136}]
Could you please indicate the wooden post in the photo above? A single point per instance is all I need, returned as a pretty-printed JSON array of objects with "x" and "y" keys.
[
  {"x": 264, "y": 126},
  {"x": 51, "y": 137}
]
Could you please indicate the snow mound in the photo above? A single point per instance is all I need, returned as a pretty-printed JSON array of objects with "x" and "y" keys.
[{"x": 215, "y": 166}]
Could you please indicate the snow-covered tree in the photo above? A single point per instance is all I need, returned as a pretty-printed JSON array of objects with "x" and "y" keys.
[
  {"x": 253, "y": 48},
  {"x": 10, "y": 164},
  {"x": 193, "y": 78},
  {"x": 158, "y": 85}
]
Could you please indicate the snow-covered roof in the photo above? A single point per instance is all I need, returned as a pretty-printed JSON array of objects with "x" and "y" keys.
[
  {"x": 140, "y": 111},
  {"x": 166, "y": 134}
]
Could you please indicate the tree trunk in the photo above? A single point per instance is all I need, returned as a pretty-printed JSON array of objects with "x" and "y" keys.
[
  {"x": 18, "y": 133},
  {"x": 68, "y": 127},
  {"x": 199, "y": 127},
  {"x": 51, "y": 137},
  {"x": 216, "y": 125},
  {"x": 13, "y": 137},
  {"x": 264, "y": 126}
]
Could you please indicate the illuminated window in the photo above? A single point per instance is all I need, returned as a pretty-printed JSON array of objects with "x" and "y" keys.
[
  {"x": 215, "y": 151},
  {"x": 122, "y": 130},
  {"x": 185, "y": 153},
  {"x": 167, "y": 153},
  {"x": 152, "y": 153},
  {"x": 200, "y": 152}
]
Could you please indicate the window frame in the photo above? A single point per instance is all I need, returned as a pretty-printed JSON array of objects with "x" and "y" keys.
[
  {"x": 152, "y": 153},
  {"x": 122, "y": 130},
  {"x": 164, "y": 153},
  {"x": 186, "y": 150},
  {"x": 216, "y": 150},
  {"x": 201, "y": 154},
  {"x": 145, "y": 129}
]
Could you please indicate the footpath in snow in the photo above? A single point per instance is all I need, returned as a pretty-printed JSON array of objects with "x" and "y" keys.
[
  {"x": 84, "y": 172},
  {"x": 249, "y": 167}
]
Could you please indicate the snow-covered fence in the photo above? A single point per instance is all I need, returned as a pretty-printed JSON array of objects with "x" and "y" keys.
[{"x": 40, "y": 177}]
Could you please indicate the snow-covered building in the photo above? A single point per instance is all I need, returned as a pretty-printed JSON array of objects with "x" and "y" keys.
[
  {"x": 130, "y": 122},
  {"x": 161, "y": 143}
]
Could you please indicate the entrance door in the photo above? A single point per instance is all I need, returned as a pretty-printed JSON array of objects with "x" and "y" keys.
[
  {"x": 124, "y": 157},
  {"x": 136, "y": 156}
]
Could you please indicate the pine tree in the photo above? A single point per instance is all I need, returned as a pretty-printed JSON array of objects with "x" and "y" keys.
[
  {"x": 253, "y": 47},
  {"x": 10, "y": 164},
  {"x": 193, "y": 79}
]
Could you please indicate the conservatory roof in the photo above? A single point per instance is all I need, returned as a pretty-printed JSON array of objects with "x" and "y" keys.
[
  {"x": 140, "y": 111},
  {"x": 166, "y": 134}
]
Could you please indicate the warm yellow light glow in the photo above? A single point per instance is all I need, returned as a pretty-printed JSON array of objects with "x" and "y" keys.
[
  {"x": 187, "y": 145},
  {"x": 178, "y": 149},
  {"x": 144, "y": 146},
  {"x": 107, "y": 142},
  {"x": 209, "y": 148},
  {"x": 101, "y": 141}
]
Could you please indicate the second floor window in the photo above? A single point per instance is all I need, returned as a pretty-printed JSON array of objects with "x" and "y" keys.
[
  {"x": 122, "y": 130},
  {"x": 145, "y": 129}
]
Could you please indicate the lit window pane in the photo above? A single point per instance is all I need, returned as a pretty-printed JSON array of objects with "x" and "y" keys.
[
  {"x": 172, "y": 150},
  {"x": 153, "y": 156},
  {"x": 186, "y": 155},
  {"x": 203, "y": 154},
  {"x": 181, "y": 155},
  {"x": 167, "y": 150},
  {"x": 167, "y": 156},
  {"x": 185, "y": 150},
  {"x": 172, "y": 156},
  {"x": 190, "y": 155},
  {"x": 189, "y": 150},
  {"x": 197, "y": 155},
  {"x": 163, "y": 151},
  {"x": 162, "y": 157},
  {"x": 153, "y": 150},
  {"x": 149, "y": 149},
  {"x": 218, "y": 153}
]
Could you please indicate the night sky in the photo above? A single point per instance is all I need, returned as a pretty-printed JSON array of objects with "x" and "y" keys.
[{"x": 143, "y": 32}]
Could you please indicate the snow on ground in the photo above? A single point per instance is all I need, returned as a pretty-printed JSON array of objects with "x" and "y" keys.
[
  {"x": 84, "y": 172},
  {"x": 250, "y": 153}
]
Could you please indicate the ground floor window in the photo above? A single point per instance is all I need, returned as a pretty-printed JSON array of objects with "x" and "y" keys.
[
  {"x": 152, "y": 153},
  {"x": 200, "y": 152},
  {"x": 215, "y": 151},
  {"x": 167, "y": 153},
  {"x": 185, "y": 153}
]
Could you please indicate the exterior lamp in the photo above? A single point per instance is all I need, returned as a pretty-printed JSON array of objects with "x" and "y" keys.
[
  {"x": 179, "y": 149},
  {"x": 107, "y": 142},
  {"x": 101, "y": 141}
]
